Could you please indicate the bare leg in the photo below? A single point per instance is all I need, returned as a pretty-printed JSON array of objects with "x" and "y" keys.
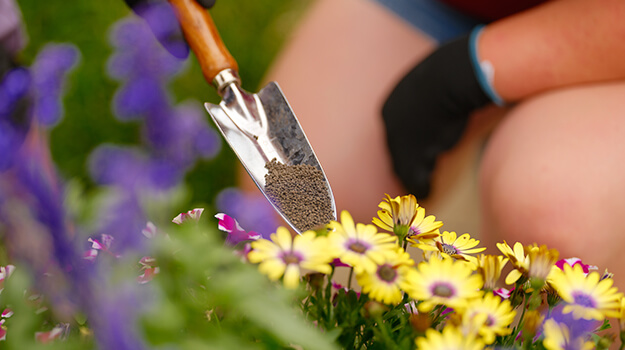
[{"x": 553, "y": 173}]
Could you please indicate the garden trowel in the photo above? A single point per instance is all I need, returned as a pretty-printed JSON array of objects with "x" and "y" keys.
[{"x": 260, "y": 128}]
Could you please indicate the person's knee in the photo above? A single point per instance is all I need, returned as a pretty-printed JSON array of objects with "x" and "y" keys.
[{"x": 552, "y": 174}]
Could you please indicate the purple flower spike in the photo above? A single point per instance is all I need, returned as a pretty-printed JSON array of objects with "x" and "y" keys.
[
  {"x": 163, "y": 23},
  {"x": 49, "y": 75}
]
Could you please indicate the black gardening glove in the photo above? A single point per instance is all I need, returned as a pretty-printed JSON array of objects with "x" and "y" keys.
[
  {"x": 172, "y": 41},
  {"x": 428, "y": 111}
]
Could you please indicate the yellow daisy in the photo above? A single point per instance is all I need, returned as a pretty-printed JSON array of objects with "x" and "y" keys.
[
  {"x": 390, "y": 278},
  {"x": 541, "y": 261},
  {"x": 588, "y": 297},
  {"x": 443, "y": 282},
  {"x": 488, "y": 316},
  {"x": 449, "y": 338},
  {"x": 448, "y": 244},
  {"x": 286, "y": 256},
  {"x": 403, "y": 213},
  {"x": 490, "y": 267},
  {"x": 557, "y": 337},
  {"x": 358, "y": 245},
  {"x": 517, "y": 258}
]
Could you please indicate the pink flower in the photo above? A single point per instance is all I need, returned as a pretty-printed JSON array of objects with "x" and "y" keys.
[
  {"x": 150, "y": 230},
  {"x": 191, "y": 215},
  {"x": 3, "y": 329},
  {"x": 104, "y": 245},
  {"x": 5, "y": 272},
  {"x": 148, "y": 265},
  {"x": 503, "y": 292},
  {"x": 574, "y": 261},
  {"x": 236, "y": 234},
  {"x": 59, "y": 332}
]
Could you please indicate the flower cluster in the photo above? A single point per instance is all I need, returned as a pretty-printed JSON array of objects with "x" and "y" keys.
[{"x": 451, "y": 296}]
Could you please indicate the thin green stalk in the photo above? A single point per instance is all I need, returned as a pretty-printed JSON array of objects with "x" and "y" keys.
[
  {"x": 349, "y": 278},
  {"x": 386, "y": 336}
]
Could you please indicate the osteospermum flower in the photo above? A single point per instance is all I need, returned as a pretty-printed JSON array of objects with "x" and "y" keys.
[
  {"x": 488, "y": 316},
  {"x": 405, "y": 215},
  {"x": 448, "y": 244},
  {"x": 588, "y": 297},
  {"x": 490, "y": 267},
  {"x": 558, "y": 337},
  {"x": 541, "y": 261},
  {"x": 449, "y": 338},
  {"x": 358, "y": 245},
  {"x": 389, "y": 279},
  {"x": 443, "y": 282},
  {"x": 286, "y": 256},
  {"x": 517, "y": 258}
]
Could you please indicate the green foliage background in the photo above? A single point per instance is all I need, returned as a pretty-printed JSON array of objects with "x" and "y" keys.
[{"x": 252, "y": 30}]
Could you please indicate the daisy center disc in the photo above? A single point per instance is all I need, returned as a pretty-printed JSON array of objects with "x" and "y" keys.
[
  {"x": 443, "y": 290},
  {"x": 449, "y": 249},
  {"x": 387, "y": 273},
  {"x": 358, "y": 247},
  {"x": 291, "y": 258},
  {"x": 584, "y": 299}
]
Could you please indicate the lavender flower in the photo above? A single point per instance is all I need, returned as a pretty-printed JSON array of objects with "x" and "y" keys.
[
  {"x": 49, "y": 71},
  {"x": 15, "y": 116}
]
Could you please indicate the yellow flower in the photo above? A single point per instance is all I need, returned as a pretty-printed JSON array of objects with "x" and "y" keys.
[
  {"x": 517, "y": 258},
  {"x": 449, "y": 338},
  {"x": 386, "y": 283},
  {"x": 405, "y": 212},
  {"x": 588, "y": 297},
  {"x": 490, "y": 267},
  {"x": 448, "y": 244},
  {"x": 557, "y": 337},
  {"x": 621, "y": 315},
  {"x": 488, "y": 316},
  {"x": 541, "y": 261},
  {"x": 443, "y": 282},
  {"x": 358, "y": 245},
  {"x": 286, "y": 256}
]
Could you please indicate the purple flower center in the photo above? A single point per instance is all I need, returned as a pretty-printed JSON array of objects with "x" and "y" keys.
[
  {"x": 583, "y": 299},
  {"x": 387, "y": 273},
  {"x": 443, "y": 290},
  {"x": 358, "y": 246},
  {"x": 291, "y": 258},
  {"x": 449, "y": 249}
]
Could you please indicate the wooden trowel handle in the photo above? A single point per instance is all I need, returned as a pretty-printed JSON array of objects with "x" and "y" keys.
[{"x": 202, "y": 36}]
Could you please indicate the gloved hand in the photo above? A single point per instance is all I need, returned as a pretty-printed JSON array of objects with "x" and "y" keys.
[
  {"x": 428, "y": 110},
  {"x": 172, "y": 40}
]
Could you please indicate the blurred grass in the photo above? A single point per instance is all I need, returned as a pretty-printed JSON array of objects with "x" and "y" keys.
[{"x": 252, "y": 30}]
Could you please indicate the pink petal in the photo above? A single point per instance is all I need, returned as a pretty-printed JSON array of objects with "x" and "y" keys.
[
  {"x": 90, "y": 254},
  {"x": 227, "y": 223},
  {"x": 193, "y": 214},
  {"x": 503, "y": 292},
  {"x": 7, "y": 313},
  {"x": 147, "y": 275},
  {"x": 147, "y": 261},
  {"x": 150, "y": 230}
]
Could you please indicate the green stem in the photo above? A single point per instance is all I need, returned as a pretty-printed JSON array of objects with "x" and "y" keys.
[
  {"x": 349, "y": 278},
  {"x": 386, "y": 336}
]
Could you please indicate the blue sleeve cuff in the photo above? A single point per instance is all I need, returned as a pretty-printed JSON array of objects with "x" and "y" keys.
[{"x": 484, "y": 80}]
